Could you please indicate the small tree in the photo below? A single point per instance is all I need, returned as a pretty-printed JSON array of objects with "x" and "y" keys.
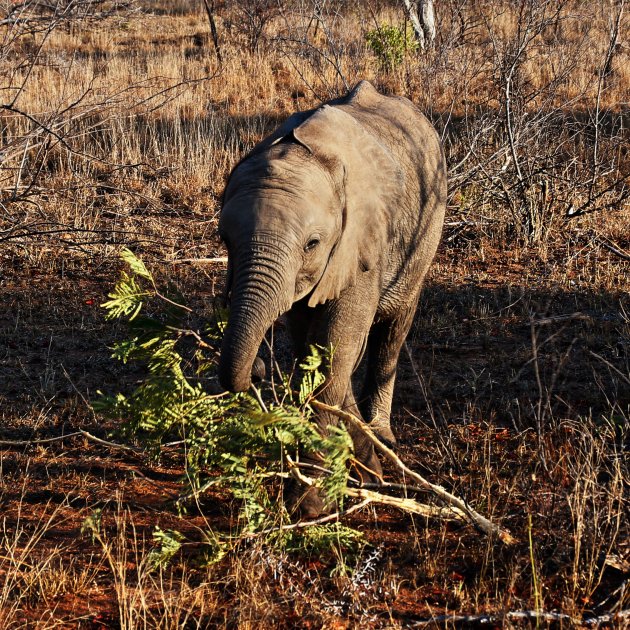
[{"x": 390, "y": 43}]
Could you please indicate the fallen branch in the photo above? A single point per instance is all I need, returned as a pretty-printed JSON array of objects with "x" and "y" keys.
[
  {"x": 122, "y": 447},
  {"x": 85, "y": 434},
  {"x": 203, "y": 261},
  {"x": 477, "y": 519},
  {"x": 40, "y": 441},
  {"x": 406, "y": 504}
]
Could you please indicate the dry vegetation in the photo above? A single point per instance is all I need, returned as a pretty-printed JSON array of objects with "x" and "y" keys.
[{"x": 120, "y": 129}]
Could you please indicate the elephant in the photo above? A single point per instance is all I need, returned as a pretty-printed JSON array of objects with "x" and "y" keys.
[{"x": 334, "y": 220}]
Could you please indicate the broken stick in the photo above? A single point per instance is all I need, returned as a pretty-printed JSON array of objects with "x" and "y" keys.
[{"x": 477, "y": 519}]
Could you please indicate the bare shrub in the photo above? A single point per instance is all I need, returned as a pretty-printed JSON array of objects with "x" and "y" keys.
[
  {"x": 251, "y": 19},
  {"x": 67, "y": 140},
  {"x": 539, "y": 142}
]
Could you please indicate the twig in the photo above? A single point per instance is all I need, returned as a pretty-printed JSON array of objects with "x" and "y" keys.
[
  {"x": 204, "y": 261},
  {"x": 610, "y": 365},
  {"x": 560, "y": 318},
  {"x": 480, "y": 521},
  {"x": 258, "y": 397},
  {"x": 122, "y": 447},
  {"x": 213, "y": 30},
  {"x": 319, "y": 521},
  {"x": 187, "y": 332},
  {"x": 611, "y": 248},
  {"x": 42, "y": 441},
  {"x": 520, "y": 615},
  {"x": 588, "y": 206},
  {"x": 169, "y": 301},
  {"x": 603, "y": 72}
]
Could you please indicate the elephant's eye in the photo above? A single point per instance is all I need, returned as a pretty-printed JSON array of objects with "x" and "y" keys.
[{"x": 312, "y": 244}]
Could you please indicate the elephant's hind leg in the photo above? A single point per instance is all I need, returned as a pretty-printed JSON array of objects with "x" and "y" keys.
[{"x": 384, "y": 344}]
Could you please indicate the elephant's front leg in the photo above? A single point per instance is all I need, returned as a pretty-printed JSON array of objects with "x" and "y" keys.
[
  {"x": 344, "y": 326},
  {"x": 368, "y": 469}
]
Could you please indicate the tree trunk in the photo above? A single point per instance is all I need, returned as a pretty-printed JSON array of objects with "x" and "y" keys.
[
  {"x": 427, "y": 20},
  {"x": 213, "y": 29},
  {"x": 422, "y": 17}
]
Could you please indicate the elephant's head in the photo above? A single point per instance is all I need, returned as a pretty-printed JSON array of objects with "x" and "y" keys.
[{"x": 302, "y": 215}]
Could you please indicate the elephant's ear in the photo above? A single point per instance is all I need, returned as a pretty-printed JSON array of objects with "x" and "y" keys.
[{"x": 369, "y": 180}]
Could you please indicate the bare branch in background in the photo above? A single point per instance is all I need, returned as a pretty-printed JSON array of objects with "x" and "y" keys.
[
  {"x": 36, "y": 15},
  {"x": 532, "y": 149},
  {"x": 72, "y": 132},
  {"x": 309, "y": 36}
]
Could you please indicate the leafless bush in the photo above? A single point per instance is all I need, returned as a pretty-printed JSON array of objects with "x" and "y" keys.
[
  {"x": 313, "y": 40},
  {"x": 251, "y": 19},
  {"x": 536, "y": 147},
  {"x": 72, "y": 135}
]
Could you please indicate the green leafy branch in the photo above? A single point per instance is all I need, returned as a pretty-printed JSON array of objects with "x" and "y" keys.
[
  {"x": 390, "y": 44},
  {"x": 230, "y": 441}
]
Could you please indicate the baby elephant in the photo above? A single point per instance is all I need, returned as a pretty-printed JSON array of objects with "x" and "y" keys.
[{"x": 334, "y": 219}]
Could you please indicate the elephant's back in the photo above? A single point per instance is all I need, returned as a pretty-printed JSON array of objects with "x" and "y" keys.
[
  {"x": 394, "y": 119},
  {"x": 413, "y": 141},
  {"x": 409, "y": 136}
]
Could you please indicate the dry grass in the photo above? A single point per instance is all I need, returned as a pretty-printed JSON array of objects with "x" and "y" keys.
[{"x": 517, "y": 397}]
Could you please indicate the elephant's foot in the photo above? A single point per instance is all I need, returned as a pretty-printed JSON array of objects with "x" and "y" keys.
[
  {"x": 383, "y": 431},
  {"x": 308, "y": 503},
  {"x": 305, "y": 502}
]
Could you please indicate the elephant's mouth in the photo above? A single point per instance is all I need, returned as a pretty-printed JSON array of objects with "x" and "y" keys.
[{"x": 302, "y": 290}]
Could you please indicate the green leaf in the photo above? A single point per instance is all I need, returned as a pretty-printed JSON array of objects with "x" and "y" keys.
[
  {"x": 320, "y": 539},
  {"x": 126, "y": 300},
  {"x": 135, "y": 264},
  {"x": 312, "y": 376},
  {"x": 92, "y": 523},
  {"x": 170, "y": 542}
]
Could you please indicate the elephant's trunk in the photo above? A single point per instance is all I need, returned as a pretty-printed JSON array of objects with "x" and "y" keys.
[{"x": 261, "y": 291}]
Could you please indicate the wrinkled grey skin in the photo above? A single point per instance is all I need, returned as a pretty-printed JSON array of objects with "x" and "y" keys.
[{"x": 335, "y": 219}]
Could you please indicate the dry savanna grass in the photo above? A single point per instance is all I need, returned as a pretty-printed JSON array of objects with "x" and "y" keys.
[{"x": 515, "y": 393}]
